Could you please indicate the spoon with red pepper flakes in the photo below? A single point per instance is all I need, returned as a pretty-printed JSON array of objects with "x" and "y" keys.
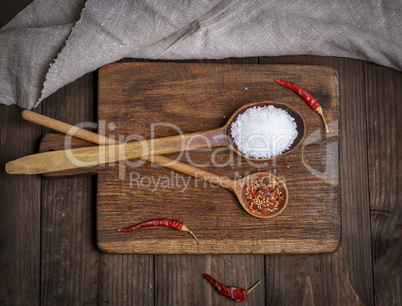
[{"x": 261, "y": 194}]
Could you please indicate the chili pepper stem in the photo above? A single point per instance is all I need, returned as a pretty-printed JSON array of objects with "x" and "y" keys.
[
  {"x": 184, "y": 228},
  {"x": 252, "y": 288},
  {"x": 319, "y": 111}
]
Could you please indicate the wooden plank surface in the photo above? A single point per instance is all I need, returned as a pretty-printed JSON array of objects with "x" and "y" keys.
[
  {"x": 19, "y": 214},
  {"x": 336, "y": 279},
  {"x": 384, "y": 137},
  {"x": 69, "y": 258},
  {"x": 72, "y": 269},
  {"x": 342, "y": 278},
  {"x": 19, "y": 202},
  {"x": 184, "y": 271},
  {"x": 199, "y": 97}
]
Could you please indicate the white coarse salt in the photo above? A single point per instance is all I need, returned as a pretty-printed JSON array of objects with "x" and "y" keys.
[{"x": 264, "y": 132}]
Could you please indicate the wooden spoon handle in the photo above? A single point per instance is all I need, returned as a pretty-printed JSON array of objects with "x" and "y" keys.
[
  {"x": 15, "y": 166},
  {"x": 100, "y": 139},
  {"x": 96, "y": 138},
  {"x": 202, "y": 174},
  {"x": 98, "y": 155},
  {"x": 65, "y": 128}
]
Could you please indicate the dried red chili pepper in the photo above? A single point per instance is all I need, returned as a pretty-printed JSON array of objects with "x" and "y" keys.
[
  {"x": 235, "y": 293},
  {"x": 306, "y": 96},
  {"x": 160, "y": 222}
]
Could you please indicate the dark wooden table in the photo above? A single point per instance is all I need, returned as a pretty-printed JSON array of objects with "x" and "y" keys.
[{"x": 48, "y": 253}]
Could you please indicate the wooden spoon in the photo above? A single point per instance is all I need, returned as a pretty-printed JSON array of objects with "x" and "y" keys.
[
  {"x": 90, "y": 156},
  {"x": 237, "y": 187}
]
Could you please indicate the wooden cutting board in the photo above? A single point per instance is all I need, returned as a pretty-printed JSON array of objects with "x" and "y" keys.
[{"x": 144, "y": 100}]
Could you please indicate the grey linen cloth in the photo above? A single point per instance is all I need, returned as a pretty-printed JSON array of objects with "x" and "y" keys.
[{"x": 51, "y": 43}]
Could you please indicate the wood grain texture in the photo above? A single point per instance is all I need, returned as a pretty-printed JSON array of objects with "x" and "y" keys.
[
  {"x": 69, "y": 258},
  {"x": 126, "y": 280},
  {"x": 384, "y": 138},
  {"x": 19, "y": 201},
  {"x": 19, "y": 214},
  {"x": 73, "y": 271},
  {"x": 183, "y": 272},
  {"x": 354, "y": 278},
  {"x": 336, "y": 279},
  {"x": 133, "y": 96}
]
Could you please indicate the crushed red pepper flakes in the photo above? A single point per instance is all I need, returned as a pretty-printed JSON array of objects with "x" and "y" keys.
[{"x": 263, "y": 196}]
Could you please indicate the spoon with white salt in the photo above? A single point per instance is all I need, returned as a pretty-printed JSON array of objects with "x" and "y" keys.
[{"x": 257, "y": 131}]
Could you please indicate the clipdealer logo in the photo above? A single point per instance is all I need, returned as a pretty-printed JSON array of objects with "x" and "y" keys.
[{"x": 107, "y": 156}]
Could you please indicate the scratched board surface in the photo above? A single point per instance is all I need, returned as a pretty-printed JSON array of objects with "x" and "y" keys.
[{"x": 144, "y": 100}]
